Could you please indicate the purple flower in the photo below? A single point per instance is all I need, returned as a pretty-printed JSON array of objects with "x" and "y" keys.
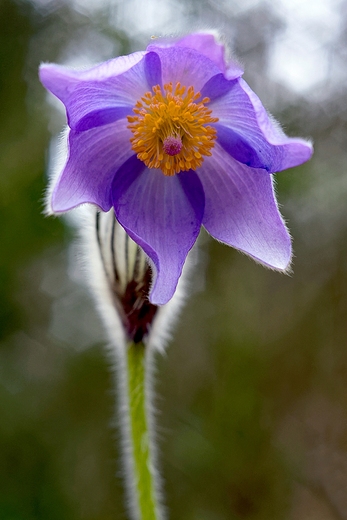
[{"x": 173, "y": 138}]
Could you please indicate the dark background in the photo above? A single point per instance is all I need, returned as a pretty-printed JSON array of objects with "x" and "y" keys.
[{"x": 252, "y": 393}]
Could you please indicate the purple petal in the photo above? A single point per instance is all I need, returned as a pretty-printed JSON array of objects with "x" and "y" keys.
[
  {"x": 241, "y": 210},
  {"x": 241, "y": 150},
  {"x": 94, "y": 158},
  {"x": 248, "y": 134},
  {"x": 153, "y": 69},
  {"x": 216, "y": 87},
  {"x": 163, "y": 215},
  {"x": 206, "y": 44},
  {"x": 104, "y": 93},
  {"x": 102, "y": 117},
  {"x": 184, "y": 65}
]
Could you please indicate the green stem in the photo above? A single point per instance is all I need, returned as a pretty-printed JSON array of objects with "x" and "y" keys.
[{"x": 144, "y": 484}]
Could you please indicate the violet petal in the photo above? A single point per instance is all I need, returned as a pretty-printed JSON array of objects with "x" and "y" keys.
[
  {"x": 241, "y": 210},
  {"x": 111, "y": 87},
  {"x": 206, "y": 44},
  {"x": 262, "y": 142},
  {"x": 94, "y": 157},
  {"x": 217, "y": 86},
  {"x": 163, "y": 215},
  {"x": 187, "y": 66},
  {"x": 153, "y": 70}
]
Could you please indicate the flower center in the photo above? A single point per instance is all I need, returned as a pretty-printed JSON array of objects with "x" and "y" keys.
[{"x": 171, "y": 130}]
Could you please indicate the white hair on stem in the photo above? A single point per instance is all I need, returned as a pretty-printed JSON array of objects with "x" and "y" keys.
[
  {"x": 111, "y": 262},
  {"x": 105, "y": 247}
]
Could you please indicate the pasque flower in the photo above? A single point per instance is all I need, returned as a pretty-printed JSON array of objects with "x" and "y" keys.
[{"x": 174, "y": 139}]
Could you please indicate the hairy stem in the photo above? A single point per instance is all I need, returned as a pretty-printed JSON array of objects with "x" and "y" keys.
[{"x": 144, "y": 475}]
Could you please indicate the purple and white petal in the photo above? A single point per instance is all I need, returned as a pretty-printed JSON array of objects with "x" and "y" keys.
[
  {"x": 163, "y": 215},
  {"x": 241, "y": 210},
  {"x": 248, "y": 133},
  {"x": 184, "y": 65},
  {"x": 94, "y": 157},
  {"x": 100, "y": 95},
  {"x": 208, "y": 45}
]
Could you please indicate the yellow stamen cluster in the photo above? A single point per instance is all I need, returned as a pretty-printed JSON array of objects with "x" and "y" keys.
[{"x": 171, "y": 129}]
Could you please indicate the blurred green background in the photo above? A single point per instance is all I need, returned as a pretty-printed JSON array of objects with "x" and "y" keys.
[{"x": 252, "y": 393}]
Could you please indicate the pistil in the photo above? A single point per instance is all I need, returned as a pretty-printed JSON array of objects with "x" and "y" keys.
[{"x": 172, "y": 145}]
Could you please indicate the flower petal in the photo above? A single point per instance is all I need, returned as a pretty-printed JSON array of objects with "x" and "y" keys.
[
  {"x": 94, "y": 157},
  {"x": 184, "y": 65},
  {"x": 153, "y": 69},
  {"x": 207, "y": 44},
  {"x": 241, "y": 210},
  {"x": 246, "y": 131},
  {"x": 217, "y": 86},
  {"x": 99, "y": 95},
  {"x": 163, "y": 215}
]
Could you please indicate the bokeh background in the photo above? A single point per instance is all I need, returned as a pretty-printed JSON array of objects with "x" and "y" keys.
[{"x": 253, "y": 388}]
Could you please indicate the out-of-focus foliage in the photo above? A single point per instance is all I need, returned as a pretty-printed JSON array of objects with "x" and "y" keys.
[{"x": 252, "y": 392}]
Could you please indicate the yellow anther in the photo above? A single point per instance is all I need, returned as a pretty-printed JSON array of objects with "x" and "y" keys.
[{"x": 171, "y": 131}]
